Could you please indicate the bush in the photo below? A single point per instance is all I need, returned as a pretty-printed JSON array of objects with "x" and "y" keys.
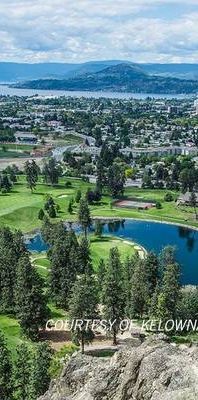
[
  {"x": 168, "y": 197},
  {"x": 68, "y": 184},
  {"x": 41, "y": 214},
  {"x": 158, "y": 205}
]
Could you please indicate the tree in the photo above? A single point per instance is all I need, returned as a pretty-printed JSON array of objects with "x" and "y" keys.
[
  {"x": 51, "y": 172},
  {"x": 5, "y": 183},
  {"x": 169, "y": 293},
  {"x": 84, "y": 256},
  {"x": 139, "y": 290},
  {"x": 31, "y": 170},
  {"x": 83, "y": 306},
  {"x": 40, "y": 376},
  {"x": 78, "y": 196},
  {"x": 64, "y": 258},
  {"x": 52, "y": 211},
  {"x": 70, "y": 207},
  {"x": 22, "y": 373},
  {"x": 31, "y": 305},
  {"x": 98, "y": 228},
  {"x": 5, "y": 370},
  {"x": 84, "y": 217},
  {"x": 116, "y": 178},
  {"x": 113, "y": 292},
  {"x": 101, "y": 270},
  {"x": 41, "y": 214},
  {"x": 193, "y": 202}
]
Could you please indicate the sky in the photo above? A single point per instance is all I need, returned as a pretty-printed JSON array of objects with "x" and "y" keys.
[{"x": 164, "y": 31}]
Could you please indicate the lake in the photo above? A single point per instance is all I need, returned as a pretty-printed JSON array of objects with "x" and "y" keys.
[
  {"x": 152, "y": 236},
  {"x": 8, "y": 91}
]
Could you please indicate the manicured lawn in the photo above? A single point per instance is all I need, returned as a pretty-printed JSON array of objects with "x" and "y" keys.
[
  {"x": 19, "y": 209},
  {"x": 11, "y": 329},
  {"x": 100, "y": 248}
]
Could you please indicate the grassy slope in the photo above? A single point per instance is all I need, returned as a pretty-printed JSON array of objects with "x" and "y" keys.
[{"x": 19, "y": 209}]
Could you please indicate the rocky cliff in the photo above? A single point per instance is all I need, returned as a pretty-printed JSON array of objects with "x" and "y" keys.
[{"x": 155, "y": 370}]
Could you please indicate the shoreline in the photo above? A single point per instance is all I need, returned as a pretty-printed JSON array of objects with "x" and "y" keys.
[{"x": 190, "y": 227}]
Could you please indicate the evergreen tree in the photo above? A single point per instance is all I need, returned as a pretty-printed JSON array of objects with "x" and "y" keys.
[
  {"x": 52, "y": 211},
  {"x": 31, "y": 171},
  {"x": 31, "y": 305},
  {"x": 5, "y": 184},
  {"x": 169, "y": 293},
  {"x": 78, "y": 196},
  {"x": 41, "y": 214},
  {"x": 64, "y": 257},
  {"x": 5, "y": 371},
  {"x": 84, "y": 256},
  {"x": 114, "y": 296},
  {"x": 83, "y": 306},
  {"x": 98, "y": 228},
  {"x": 51, "y": 172},
  {"x": 70, "y": 207},
  {"x": 139, "y": 290},
  {"x": 40, "y": 377},
  {"x": 101, "y": 270},
  {"x": 151, "y": 266},
  {"x": 116, "y": 179},
  {"x": 84, "y": 217},
  {"x": 22, "y": 372}
]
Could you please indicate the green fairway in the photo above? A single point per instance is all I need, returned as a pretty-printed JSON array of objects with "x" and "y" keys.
[
  {"x": 100, "y": 248},
  {"x": 11, "y": 329},
  {"x": 19, "y": 209}
]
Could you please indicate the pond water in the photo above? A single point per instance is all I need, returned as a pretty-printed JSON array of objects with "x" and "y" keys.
[
  {"x": 5, "y": 90},
  {"x": 153, "y": 236}
]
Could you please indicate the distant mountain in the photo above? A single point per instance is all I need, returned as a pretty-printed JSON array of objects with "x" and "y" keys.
[
  {"x": 17, "y": 72},
  {"x": 182, "y": 71},
  {"x": 123, "y": 77}
]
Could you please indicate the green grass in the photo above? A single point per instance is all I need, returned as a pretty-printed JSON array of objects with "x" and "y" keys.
[
  {"x": 21, "y": 147},
  {"x": 19, "y": 209},
  {"x": 100, "y": 248},
  {"x": 11, "y": 330}
]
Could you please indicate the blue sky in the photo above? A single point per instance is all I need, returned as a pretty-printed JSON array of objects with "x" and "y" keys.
[{"x": 84, "y": 30}]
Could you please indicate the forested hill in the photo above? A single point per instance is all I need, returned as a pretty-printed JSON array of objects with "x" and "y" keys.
[{"x": 122, "y": 77}]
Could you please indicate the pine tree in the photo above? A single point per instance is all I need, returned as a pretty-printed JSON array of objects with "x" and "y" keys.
[
  {"x": 114, "y": 292},
  {"x": 84, "y": 217},
  {"x": 169, "y": 293},
  {"x": 41, "y": 214},
  {"x": 40, "y": 376},
  {"x": 31, "y": 171},
  {"x": 31, "y": 308},
  {"x": 139, "y": 290},
  {"x": 98, "y": 228},
  {"x": 51, "y": 172},
  {"x": 64, "y": 257},
  {"x": 70, "y": 207},
  {"x": 83, "y": 306},
  {"x": 5, "y": 371},
  {"x": 101, "y": 270},
  {"x": 22, "y": 373},
  {"x": 5, "y": 183},
  {"x": 84, "y": 256},
  {"x": 52, "y": 211},
  {"x": 78, "y": 196}
]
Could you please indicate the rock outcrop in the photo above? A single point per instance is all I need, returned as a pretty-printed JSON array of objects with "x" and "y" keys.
[{"x": 155, "y": 370}]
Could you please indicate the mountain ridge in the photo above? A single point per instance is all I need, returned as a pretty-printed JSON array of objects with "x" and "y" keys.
[
  {"x": 122, "y": 77},
  {"x": 16, "y": 72}
]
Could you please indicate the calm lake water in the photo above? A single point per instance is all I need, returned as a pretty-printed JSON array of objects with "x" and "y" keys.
[
  {"x": 7, "y": 91},
  {"x": 153, "y": 236}
]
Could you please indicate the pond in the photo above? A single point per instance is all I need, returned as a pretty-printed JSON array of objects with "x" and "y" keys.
[{"x": 152, "y": 236}]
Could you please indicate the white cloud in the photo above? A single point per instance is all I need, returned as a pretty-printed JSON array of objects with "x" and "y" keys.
[{"x": 80, "y": 30}]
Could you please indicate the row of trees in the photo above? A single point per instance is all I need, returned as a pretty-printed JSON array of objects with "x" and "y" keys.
[
  {"x": 21, "y": 288},
  {"x": 27, "y": 376}
]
